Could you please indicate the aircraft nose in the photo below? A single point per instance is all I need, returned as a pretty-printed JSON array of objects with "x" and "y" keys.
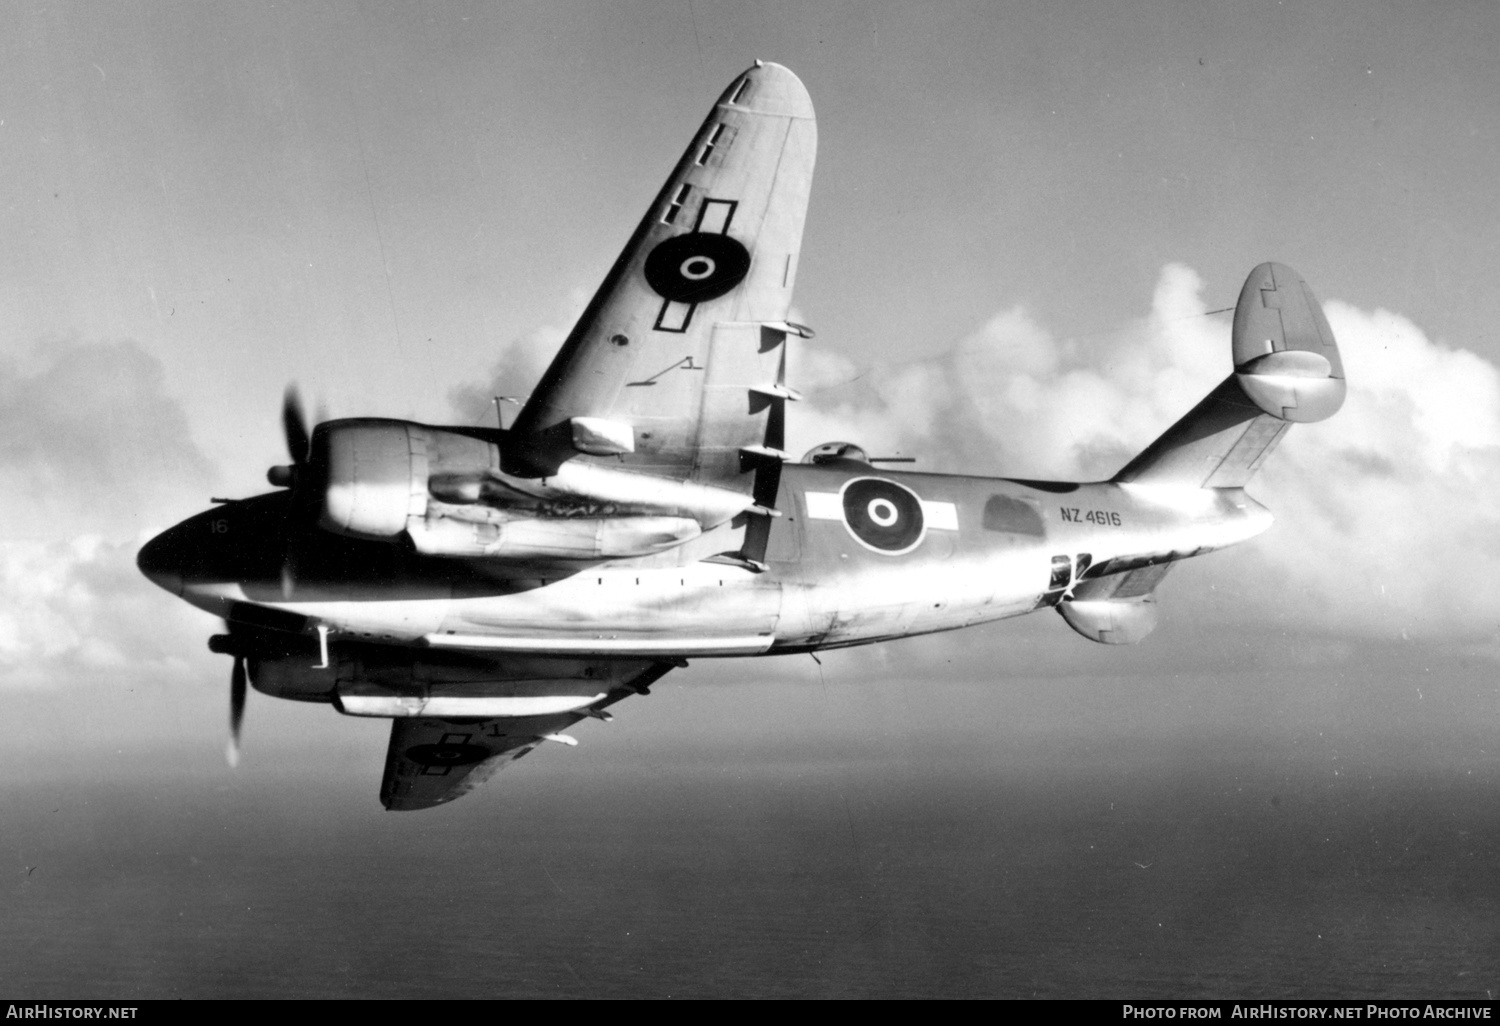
[{"x": 160, "y": 559}]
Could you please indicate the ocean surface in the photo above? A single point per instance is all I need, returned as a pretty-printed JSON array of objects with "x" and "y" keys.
[{"x": 863, "y": 842}]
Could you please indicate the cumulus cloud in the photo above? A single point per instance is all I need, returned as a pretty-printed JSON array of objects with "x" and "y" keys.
[
  {"x": 1012, "y": 398},
  {"x": 77, "y": 610},
  {"x": 1384, "y": 528},
  {"x": 95, "y": 456},
  {"x": 1387, "y": 511},
  {"x": 90, "y": 442}
]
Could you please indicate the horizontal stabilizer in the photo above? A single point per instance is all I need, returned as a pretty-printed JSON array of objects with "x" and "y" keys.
[
  {"x": 1117, "y": 609},
  {"x": 1112, "y": 621}
]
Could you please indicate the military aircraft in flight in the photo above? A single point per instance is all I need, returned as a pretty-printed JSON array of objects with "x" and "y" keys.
[{"x": 486, "y": 589}]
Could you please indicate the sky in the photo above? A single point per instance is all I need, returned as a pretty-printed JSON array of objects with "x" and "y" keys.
[{"x": 1026, "y": 222}]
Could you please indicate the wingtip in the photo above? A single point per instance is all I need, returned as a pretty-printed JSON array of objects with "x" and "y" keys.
[{"x": 776, "y": 89}]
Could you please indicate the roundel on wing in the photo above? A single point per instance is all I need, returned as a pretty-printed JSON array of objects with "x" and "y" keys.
[
  {"x": 883, "y": 514},
  {"x": 446, "y": 755},
  {"x": 696, "y": 267}
]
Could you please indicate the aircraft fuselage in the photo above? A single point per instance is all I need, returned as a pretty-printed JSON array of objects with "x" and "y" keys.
[
  {"x": 486, "y": 589},
  {"x": 859, "y": 555}
]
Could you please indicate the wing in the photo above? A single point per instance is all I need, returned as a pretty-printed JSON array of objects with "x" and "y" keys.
[
  {"x": 1221, "y": 443},
  {"x": 675, "y": 368},
  {"x": 433, "y": 760}
]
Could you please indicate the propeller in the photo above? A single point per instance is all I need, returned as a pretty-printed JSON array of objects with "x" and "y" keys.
[
  {"x": 299, "y": 447},
  {"x": 294, "y": 423},
  {"x": 298, "y": 440},
  {"x": 237, "y": 690}
]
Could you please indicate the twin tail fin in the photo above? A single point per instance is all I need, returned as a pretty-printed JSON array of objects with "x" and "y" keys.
[{"x": 1287, "y": 371}]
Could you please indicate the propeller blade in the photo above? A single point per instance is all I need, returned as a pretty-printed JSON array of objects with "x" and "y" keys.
[
  {"x": 294, "y": 424},
  {"x": 289, "y": 574},
  {"x": 236, "y": 710}
]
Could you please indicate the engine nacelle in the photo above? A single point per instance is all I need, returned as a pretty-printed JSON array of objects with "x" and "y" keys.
[
  {"x": 381, "y": 473},
  {"x": 445, "y": 491}
]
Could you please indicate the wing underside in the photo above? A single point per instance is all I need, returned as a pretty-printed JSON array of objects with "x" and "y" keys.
[{"x": 434, "y": 760}]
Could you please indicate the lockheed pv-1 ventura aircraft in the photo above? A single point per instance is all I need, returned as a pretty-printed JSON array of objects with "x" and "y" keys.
[{"x": 486, "y": 589}]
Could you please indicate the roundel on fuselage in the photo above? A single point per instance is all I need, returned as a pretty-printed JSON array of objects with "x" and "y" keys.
[
  {"x": 883, "y": 515},
  {"x": 696, "y": 267}
]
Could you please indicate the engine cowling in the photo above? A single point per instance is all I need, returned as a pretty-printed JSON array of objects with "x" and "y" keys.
[
  {"x": 384, "y": 480},
  {"x": 380, "y": 471}
]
